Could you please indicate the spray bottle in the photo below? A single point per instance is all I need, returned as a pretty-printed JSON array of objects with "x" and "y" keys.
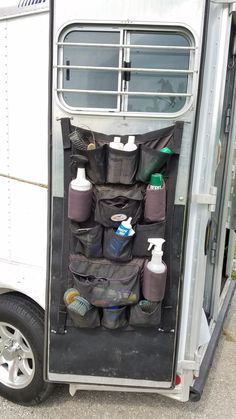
[
  {"x": 156, "y": 264},
  {"x": 154, "y": 276},
  {"x": 80, "y": 193}
]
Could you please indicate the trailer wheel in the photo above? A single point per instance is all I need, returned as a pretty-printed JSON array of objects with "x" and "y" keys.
[{"x": 21, "y": 351}]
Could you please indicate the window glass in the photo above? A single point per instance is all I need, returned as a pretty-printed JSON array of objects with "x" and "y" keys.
[
  {"x": 158, "y": 82},
  {"x": 89, "y": 79}
]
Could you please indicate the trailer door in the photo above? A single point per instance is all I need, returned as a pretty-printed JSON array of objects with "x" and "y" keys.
[{"x": 117, "y": 73}]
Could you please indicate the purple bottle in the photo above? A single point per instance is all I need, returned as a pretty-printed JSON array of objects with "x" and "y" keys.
[{"x": 80, "y": 193}]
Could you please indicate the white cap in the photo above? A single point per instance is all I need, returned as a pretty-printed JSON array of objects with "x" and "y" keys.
[
  {"x": 116, "y": 139},
  {"x": 157, "y": 243},
  {"x": 131, "y": 139}
]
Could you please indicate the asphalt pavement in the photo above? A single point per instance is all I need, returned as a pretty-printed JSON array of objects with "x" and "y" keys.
[{"x": 218, "y": 400}]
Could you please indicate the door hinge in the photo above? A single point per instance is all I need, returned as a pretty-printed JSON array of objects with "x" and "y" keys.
[
  {"x": 227, "y": 120},
  {"x": 213, "y": 252},
  {"x": 191, "y": 365},
  {"x": 207, "y": 199}
]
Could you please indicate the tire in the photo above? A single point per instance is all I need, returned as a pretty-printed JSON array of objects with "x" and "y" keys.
[{"x": 21, "y": 351}]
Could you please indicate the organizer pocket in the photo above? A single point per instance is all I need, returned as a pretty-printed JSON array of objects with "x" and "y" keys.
[
  {"x": 79, "y": 204},
  {"x": 106, "y": 284},
  {"x": 96, "y": 166},
  {"x": 155, "y": 204},
  {"x": 90, "y": 320},
  {"x": 143, "y": 232},
  {"x": 122, "y": 166},
  {"x": 88, "y": 240},
  {"x": 116, "y": 247},
  {"x": 140, "y": 317},
  {"x": 114, "y": 205},
  {"x": 153, "y": 285},
  {"x": 150, "y": 161},
  {"x": 114, "y": 317}
]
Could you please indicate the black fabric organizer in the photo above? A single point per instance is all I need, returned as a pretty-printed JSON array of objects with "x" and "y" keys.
[
  {"x": 71, "y": 244},
  {"x": 90, "y": 350}
]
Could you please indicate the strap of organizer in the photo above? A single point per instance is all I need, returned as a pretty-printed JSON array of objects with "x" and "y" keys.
[{"x": 60, "y": 239}]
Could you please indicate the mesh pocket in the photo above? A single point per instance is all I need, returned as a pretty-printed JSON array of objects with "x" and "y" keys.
[
  {"x": 114, "y": 317},
  {"x": 143, "y": 232},
  {"x": 150, "y": 161},
  {"x": 114, "y": 205},
  {"x": 142, "y": 318},
  {"x": 90, "y": 320},
  {"x": 153, "y": 285},
  {"x": 106, "y": 284},
  {"x": 96, "y": 166},
  {"x": 155, "y": 204},
  {"x": 122, "y": 166},
  {"x": 88, "y": 240},
  {"x": 117, "y": 248}
]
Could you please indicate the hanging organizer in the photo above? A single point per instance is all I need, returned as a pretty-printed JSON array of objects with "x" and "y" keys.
[{"x": 110, "y": 276}]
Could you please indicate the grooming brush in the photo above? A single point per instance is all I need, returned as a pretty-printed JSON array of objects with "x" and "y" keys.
[
  {"x": 77, "y": 140},
  {"x": 69, "y": 295},
  {"x": 147, "y": 306},
  {"x": 80, "y": 306}
]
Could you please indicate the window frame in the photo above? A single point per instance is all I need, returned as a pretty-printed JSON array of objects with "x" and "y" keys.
[{"x": 122, "y": 105}]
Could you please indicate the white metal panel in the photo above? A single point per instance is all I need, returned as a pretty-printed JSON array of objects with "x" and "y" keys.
[
  {"x": 26, "y": 279},
  {"x": 4, "y": 220},
  {"x": 156, "y": 11},
  {"x": 4, "y": 146},
  {"x": 27, "y": 84},
  {"x": 28, "y": 224}
]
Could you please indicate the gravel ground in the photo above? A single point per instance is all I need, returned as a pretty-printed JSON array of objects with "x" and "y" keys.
[{"x": 218, "y": 400}]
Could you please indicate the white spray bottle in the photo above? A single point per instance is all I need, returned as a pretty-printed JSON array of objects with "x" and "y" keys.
[{"x": 156, "y": 264}]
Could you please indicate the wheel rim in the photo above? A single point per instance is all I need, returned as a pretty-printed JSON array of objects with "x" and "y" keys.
[{"x": 17, "y": 364}]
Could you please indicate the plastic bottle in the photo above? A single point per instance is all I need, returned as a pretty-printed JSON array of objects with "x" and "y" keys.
[
  {"x": 166, "y": 150},
  {"x": 117, "y": 144},
  {"x": 80, "y": 193},
  {"x": 154, "y": 274},
  {"x": 80, "y": 183},
  {"x": 155, "y": 200},
  {"x": 130, "y": 145},
  {"x": 156, "y": 181},
  {"x": 124, "y": 227},
  {"x": 156, "y": 265}
]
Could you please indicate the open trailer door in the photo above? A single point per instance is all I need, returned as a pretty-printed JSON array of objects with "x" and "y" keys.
[{"x": 118, "y": 79}]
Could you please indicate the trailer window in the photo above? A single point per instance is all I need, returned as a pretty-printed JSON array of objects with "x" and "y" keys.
[{"x": 124, "y": 71}]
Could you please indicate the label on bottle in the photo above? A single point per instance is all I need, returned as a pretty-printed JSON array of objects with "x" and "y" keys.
[{"x": 119, "y": 217}]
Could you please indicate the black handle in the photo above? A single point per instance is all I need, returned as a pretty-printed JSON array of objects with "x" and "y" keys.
[{"x": 127, "y": 74}]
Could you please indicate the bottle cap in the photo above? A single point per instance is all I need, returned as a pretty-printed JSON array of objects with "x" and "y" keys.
[
  {"x": 116, "y": 139},
  {"x": 156, "y": 179},
  {"x": 166, "y": 150},
  {"x": 131, "y": 139}
]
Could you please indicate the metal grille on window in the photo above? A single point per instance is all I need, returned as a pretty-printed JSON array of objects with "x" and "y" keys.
[{"x": 125, "y": 71}]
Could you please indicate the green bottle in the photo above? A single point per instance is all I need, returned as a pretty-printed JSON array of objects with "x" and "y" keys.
[
  {"x": 166, "y": 150},
  {"x": 156, "y": 181}
]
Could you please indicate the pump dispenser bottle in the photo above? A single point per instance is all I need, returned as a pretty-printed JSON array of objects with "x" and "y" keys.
[
  {"x": 154, "y": 275},
  {"x": 130, "y": 145},
  {"x": 116, "y": 144},
  {"x": 80, "y": 193}
]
